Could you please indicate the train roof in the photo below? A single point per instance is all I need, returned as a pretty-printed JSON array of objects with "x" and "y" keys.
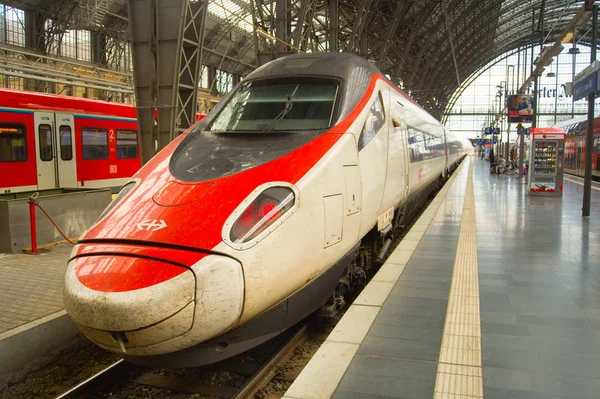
[
  {"x": 339, "y": 65},
  {"x": 351, "y": 68},
  {"x": 578, "y": 119},
  {"x": 33, "y": 100}
]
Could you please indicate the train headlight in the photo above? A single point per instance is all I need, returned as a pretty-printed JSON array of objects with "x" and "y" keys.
[{"x": 266, "y": 210}]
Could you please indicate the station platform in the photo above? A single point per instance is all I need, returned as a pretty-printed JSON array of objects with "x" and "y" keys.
[
  {"x": 33, "y": 321},
  {"x": 493, "y": 293}
]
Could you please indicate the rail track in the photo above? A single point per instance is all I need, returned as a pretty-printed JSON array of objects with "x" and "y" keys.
[{"x": 122, "y": 372}]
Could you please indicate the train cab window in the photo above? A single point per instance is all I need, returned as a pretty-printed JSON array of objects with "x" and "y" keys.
[
  {"x": 66, "y": 143},
  {"x": 374, "y": 123},
  {"x": 45, "y": 136},
  {"x": 94, "y": 142},
  {"x": 259, "y": 121},
  {"x": 275, "y": 105},
  {"x": 127, "y": 144},
  {"x": 13, "y": 147}
]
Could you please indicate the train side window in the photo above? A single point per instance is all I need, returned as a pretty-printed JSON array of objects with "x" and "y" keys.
[
  {"x": 94, "y": 142},
  {"x": 416, "y": 144},
  {"x": 13, "y": 142},
  {"x": 66, "y": 143},
  {"x": 127, "y": 144},
  {"x": 375, "y": 120},
  {"x": 45, "y": 136}
]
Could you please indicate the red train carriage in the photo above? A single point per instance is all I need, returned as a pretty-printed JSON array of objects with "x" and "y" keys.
[
  {"x": 575, "y": 146},
  {"x": 50, "y": 141}
]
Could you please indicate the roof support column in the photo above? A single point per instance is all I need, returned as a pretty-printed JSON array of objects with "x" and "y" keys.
[
  {"x": 35, "y": 40},
  {"x": 334, "y": 26},
  {"x": 589, "y": 148},
  {"x": 166, "y": 38},
  {"x": 35, "y": 34},
  {"x": 364, "y": 45},
  {"x": 99, "y": 48},
  {"x": 401, "y": 10},
  {"x": 358, "y": 25},
  {"x": 281, "y": 25},
  {"x": 449, "y": 31}
]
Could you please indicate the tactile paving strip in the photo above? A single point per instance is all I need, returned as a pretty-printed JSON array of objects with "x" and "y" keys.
[{"x": 459, "y": 372}]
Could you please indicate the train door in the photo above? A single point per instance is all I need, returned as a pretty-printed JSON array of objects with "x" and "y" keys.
[
  {"x": 396, "y": 186},
  {"x": 580, "y": 165},
  {"x": 406, "y": 159},
  {"x": 65, "y": 150},
  {"x": 45, "y": 149},
  {"x": 372, "y": 147}
]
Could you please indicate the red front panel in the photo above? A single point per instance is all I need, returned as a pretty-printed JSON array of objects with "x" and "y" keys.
[
  {"x": 198, "y": 223},
  {"x": 19, "y": 174},
  {"x": 110, "y": 166}
]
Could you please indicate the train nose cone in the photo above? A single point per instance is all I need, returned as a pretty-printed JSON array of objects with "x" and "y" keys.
[
  {"x": 140, "y": 306},
  {"x": 113, "y": 294}
]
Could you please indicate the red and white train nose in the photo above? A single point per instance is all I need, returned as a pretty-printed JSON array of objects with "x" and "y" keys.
[{"x": 149, "y": 301}]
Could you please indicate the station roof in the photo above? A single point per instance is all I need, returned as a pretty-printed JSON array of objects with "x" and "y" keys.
[{"x": 430, "y": 46}]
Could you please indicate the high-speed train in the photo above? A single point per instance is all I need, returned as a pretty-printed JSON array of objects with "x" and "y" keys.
[{"x": 268, "y": 209}]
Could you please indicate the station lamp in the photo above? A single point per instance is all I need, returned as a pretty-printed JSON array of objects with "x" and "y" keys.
[{"x": 573, "y": 50}]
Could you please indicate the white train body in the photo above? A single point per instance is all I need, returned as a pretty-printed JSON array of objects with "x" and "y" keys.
[{"x": 219, "y": 292}]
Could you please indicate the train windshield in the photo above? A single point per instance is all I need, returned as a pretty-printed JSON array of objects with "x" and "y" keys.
[{"x": 293, "y": 104}]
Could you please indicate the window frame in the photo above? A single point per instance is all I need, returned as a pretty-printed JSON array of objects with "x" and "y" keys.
[
  {"x": 39, "y": 131},
  {"x": 362, "y": 142},
  {"x": 105, "y": 131},
  {"x": 60, "y": 136},
  {"x": 17, "y": 126},
  {"x": 337, "y": 101},
  {"x": 137, "y": 143},
  {"x": 420, "y": 140}
]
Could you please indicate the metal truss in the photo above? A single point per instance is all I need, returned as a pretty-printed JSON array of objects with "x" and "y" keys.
[
  {"x": 430, "y": 48},
  {"x": 190, "y": 42},
  {"x": 166, "y": 38},
  {"x": 38, "y": 67}
]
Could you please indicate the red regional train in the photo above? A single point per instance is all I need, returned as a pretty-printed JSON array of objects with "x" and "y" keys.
[
  {"x": 275, "y": 205},
  {"x": 575, "y": 146},
  {"x": 49, "y": 141}
]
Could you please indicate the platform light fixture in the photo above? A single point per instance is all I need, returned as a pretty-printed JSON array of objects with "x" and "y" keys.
[{"x": 574, "y": 50}]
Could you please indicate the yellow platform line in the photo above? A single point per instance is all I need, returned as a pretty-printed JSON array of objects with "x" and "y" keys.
[
  {"x": 580, "y": 183},
  {"x": 459, "y": 372}
]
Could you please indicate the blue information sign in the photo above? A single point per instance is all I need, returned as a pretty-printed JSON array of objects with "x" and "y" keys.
[
  {"x": 491, "y": 130},
  {"x": 585, "y": 87}
]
